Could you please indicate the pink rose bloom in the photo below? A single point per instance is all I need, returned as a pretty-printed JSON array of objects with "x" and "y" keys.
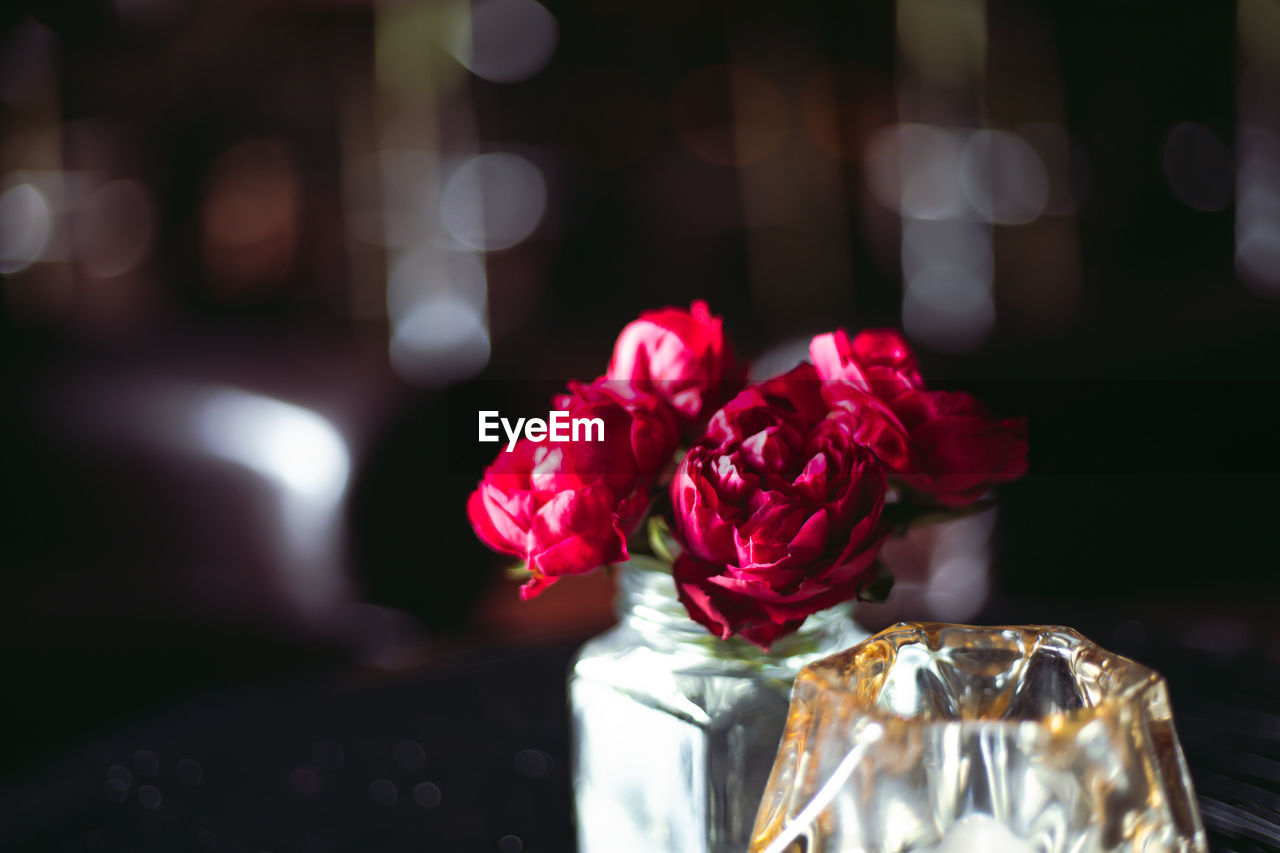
[
  {"x": 567, "y": 508},
  {"x": 778, "y": 509},
  {"x": 682, "y": 356},
  {"x": 943, "y": 444},
  {"x": 877, "y": 361}
]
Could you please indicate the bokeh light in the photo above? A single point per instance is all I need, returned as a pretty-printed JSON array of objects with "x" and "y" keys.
[
  {"x": 308, "y": 460},
  {"x": 957, "y": 588},
  {"x": 949, "y": 309},
  {"x": 954, "y": 243},
  {"x": 1257, "y": 256},
  {"x": 441, "y": 339},
  {"x": 1198, "y": 167},
  {"x": 409, "y": 755},
  {"x": 960, "y": 568},
  {"x": 1258, "y": 25},
  {"x": 1257, "y": 179},
  {"x": 509, "y": 40},
  {"x": 842, "y": 105},
  {"x": 114, "y": 229},
  {"x": 928, "y": 172},
  {"x": 390, "y": 196},
  {"x": 1003, "y": 178},
  {"x": 945, "y": 43},
  {"x": 383, "y": 792},
  {"x": 428, "y": 271},
  {"x": 250, "y": 218},
  {"x": 427, "y": 795},
  {"x": 915, "y": 169},
  {"x": 415, "y": 48},
  {"x": 493, "y": 201},
  {"x": 26, "y": 224},
  {"x": 296, "y": 447}
]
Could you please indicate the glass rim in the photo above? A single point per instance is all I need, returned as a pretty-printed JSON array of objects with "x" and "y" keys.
[{"x": 1137, "y": 682}]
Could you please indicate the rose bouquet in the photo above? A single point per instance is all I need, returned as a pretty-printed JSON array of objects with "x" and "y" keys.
[{"x": 769, "y": 501}]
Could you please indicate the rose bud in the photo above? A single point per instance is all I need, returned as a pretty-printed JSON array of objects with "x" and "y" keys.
[
  {"x": 778, "y": 510},
  {"x": 682, "y": 356},
  {"x": 942, "y": 444},
  {"x": 568, "y": 507}
]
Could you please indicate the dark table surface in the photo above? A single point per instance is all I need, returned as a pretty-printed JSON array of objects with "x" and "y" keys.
[{"x": 470, "y": 752}]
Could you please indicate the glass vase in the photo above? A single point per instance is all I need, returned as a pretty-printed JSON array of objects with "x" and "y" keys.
[{"x": 674, "y": 729}]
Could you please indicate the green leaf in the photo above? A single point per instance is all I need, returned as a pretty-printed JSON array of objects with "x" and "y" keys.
[
  {"x": 518, "y": 571},
  {"x": 661, "y": 540}
]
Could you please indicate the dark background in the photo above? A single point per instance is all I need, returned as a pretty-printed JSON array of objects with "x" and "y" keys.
[{"x": 200, "y": 219}]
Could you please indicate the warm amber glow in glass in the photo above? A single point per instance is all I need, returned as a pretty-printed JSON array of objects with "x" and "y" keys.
[{"x": 950, "y": 737}]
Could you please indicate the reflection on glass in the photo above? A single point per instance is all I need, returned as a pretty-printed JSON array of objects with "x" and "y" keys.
[
  {"x": 948, "y": 737},
  {"x": 674, "y": 729}
]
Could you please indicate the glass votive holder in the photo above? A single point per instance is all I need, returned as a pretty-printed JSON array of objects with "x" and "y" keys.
[{"x": 932, "y": 737}]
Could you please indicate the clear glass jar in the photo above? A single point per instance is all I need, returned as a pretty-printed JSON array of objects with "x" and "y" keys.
[{"x": 674, "y": 730}]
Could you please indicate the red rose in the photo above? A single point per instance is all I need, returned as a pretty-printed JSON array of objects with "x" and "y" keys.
[
  {"x": 566, "y": 508},
  {"x": 877, "y": 361},
  {"x": 943, "y": 444},
  {"x": 779, "y": 512},
  {"x": 682, "y": 356},
  {"x": 958, "y": 451}
]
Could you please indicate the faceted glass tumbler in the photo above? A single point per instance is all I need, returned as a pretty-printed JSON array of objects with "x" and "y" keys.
[
  {"x": 950, "y": 738},
  {"x": 675, "y": 730}
]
